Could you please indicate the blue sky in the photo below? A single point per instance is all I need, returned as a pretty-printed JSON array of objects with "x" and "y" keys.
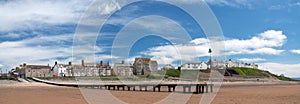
[{"x": 264, "y": 32}]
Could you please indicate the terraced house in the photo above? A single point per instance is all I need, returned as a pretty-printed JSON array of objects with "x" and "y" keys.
[
  {"x": 144, "y": 66},
  {"x": 33, "y": 70},
  {"x": 83, "y": 69}
]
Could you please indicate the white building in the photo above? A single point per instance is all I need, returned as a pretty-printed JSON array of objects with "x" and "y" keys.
[
  {"x": 232, "y": 63},
  {"x": 153, "y": 65},
  {"x": 168, "y": 67},
  {"x": 216, "y": 64},
  {"x": 83, "y": 69},
  {"x": 122, "y": 69},
  {"x": 194, "y": 66},
  {"x": 60, "y": 70},
  {"x": 247, "y": 65}
]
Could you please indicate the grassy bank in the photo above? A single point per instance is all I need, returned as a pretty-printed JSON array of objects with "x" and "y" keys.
[
  {"x": 178, "y": 73},
  {"x": 257, "y": 72}
]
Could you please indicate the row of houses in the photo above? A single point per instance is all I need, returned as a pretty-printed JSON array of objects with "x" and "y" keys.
[
  {"x": 141, "y": 66},
  {"x": 83, "y": 69},
  {"x": 211, "y": 63}
]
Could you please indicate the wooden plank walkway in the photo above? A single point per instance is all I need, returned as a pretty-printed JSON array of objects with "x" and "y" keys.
[{"x": 199, "y": 88}]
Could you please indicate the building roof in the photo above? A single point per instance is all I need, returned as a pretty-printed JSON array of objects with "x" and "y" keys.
[
  {"x": 194, "y": 62},
  {"x": 37, "y": 66},
  {"x": 143, "y": 59}
]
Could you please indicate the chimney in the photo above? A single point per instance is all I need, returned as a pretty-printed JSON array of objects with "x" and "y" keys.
[
  {"x": 101, "y": 63},
  {"x": 123, "y": 62},
  {"x": 70, "y": 63},
  {"x": 82, "y": 62}
]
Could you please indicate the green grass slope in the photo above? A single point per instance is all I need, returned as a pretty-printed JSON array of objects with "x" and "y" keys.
[{"x": 257, "y": 72}]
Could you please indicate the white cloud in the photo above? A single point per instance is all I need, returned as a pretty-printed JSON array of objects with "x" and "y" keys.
[
  {"x": 294, "y": 4},
  {"x": 28, "y": 14},
  {"x": 11, "y": 35},
  {"x": 250, "y": 60},
  {"x": 231, "y": 3},
  {"x": 32, "y": 50},
  {"x": 289, "y": 70},
  {"x": 221, "y": 3},
  {"x": 296, "y": 51},
  {"x": 277, "y": 7},
  {"x": 168, "y": 54},
  {"x": 42, "y": 50},
  {"x": 109, "y": 8},
  {"x": 264, "y": 43},
  {"x": 284, "y": 5}
]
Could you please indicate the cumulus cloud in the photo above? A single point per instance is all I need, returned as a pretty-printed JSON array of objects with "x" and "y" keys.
[
  {"x": 265, "y": 43},
  {"x": 296, "y": 51},
  {"x": 168, "y": 54},
  {"x": 28, "y": 14},
  {"x": 289, "y": 70},
  {"x": 34, "y": 50},
  {"x": 250, "y": 60}
]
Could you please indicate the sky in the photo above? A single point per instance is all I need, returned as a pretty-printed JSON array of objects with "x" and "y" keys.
[{"x": 263, "y": 32}]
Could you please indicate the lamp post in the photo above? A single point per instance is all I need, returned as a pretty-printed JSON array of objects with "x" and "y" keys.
[{"x": 210, "y": 61}]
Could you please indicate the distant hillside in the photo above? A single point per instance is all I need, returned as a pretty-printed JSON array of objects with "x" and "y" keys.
[{"x": 255, "y": 72}]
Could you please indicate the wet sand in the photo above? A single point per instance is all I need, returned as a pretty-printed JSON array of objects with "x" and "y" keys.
[{"x": 35, "y": 93}]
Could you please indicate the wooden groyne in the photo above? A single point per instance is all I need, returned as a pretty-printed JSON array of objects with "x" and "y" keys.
[{"x": 186, "y": 88}]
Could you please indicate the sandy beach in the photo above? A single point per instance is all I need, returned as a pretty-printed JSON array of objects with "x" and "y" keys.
[{"x": 232, "y": 93}]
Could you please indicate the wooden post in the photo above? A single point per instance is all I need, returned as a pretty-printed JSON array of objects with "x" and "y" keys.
[
  {"x": 108, "y": 87},
  {"x": 202, "y": 87},
  {"x": 140, "y": 88},
  {"x": 197, "y": 89},
  {"x": 158, "y": 88},
  {"x": 146, "y": 88},
  {"x": 169, "y": 88},
  {"x": 206, "y": 88},
  {"x": 211, "y": 88},
  {"x": 128, "y": 88},
  {"x": 174, "y": 88}
]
